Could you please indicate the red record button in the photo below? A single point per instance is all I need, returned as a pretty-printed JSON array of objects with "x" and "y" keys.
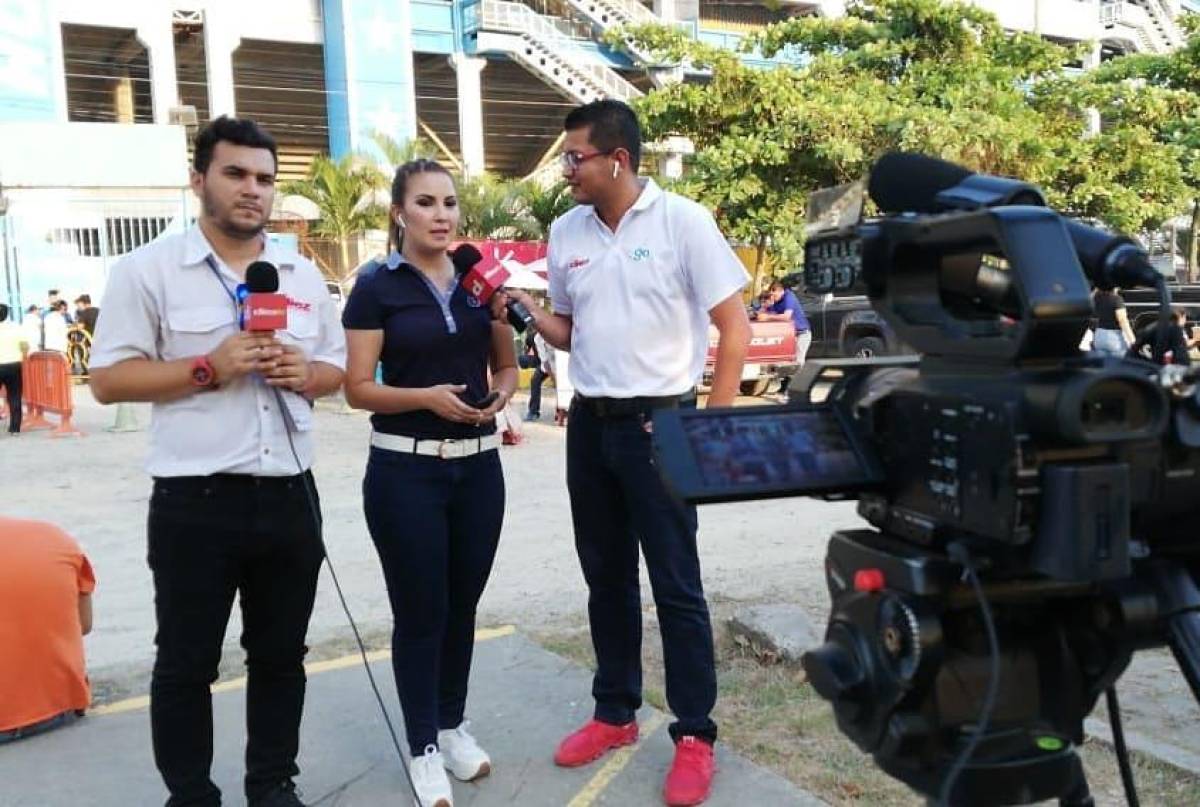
[{"x": 868, "y": 580}]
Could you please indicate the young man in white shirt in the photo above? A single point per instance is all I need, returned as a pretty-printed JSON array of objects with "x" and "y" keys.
[
  {"x": 636, "y": 276},
  {"x": 230, "y": 449}
]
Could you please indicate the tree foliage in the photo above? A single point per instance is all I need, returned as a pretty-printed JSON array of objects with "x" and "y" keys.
[
  {"x": 542, "y": 205},
  {"x": 941, "y": 78}
]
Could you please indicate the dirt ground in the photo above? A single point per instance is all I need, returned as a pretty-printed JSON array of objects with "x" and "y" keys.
[{"x": 768, "y": 712}]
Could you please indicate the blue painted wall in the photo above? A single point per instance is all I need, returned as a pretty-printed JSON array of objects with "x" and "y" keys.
[
  {"x": 336, "y": 102},
  {"x": 433, "y": 29},
  {"x": 368, "y": 72}
]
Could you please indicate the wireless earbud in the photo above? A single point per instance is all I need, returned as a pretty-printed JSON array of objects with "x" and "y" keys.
[{"x": 616, "y": 169}]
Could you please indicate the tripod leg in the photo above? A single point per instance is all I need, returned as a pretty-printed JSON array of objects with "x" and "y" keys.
[
  {"x": 1179, "y": 598},
  {"x": 1080, "y": 794}
]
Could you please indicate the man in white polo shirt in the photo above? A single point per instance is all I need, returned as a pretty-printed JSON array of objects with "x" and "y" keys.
[
  {"x": 230, "y": 449},
  {"x": 636, "y": 275}
]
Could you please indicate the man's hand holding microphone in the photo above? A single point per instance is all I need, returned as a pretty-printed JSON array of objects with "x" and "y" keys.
[
  {"x": 256, "y": 349},
  {"x": 244, "y": 353}
]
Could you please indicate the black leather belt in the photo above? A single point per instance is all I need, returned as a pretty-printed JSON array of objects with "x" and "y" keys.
[
  {"x": 627, "y": 407},
  {"x": 226, "y": 483}
]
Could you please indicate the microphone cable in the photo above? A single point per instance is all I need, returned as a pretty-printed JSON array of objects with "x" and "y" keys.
[
  {"x": 961, "y": 555},
  {"x": 311, "y": 495}
]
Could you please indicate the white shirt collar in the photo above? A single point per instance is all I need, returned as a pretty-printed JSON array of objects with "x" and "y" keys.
[
  {"x": 196, "y": 250},
  {"x": 650, "y": 194}
]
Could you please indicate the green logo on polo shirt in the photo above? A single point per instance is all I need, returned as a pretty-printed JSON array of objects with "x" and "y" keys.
[{"x": 640, "y": 253}]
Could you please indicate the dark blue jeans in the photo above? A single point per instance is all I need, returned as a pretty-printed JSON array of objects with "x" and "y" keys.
[
  {"x": 436, "y": 525},
  {"x": 618, "y": 500}
]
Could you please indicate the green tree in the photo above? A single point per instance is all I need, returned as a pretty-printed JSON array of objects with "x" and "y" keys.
[
  {"x": 1163, "y": 93},
  {"x": 543, "y": 205},
  {"x": 942, "y": 78},
  {"x": 344, "y": 192},
  {"x": 490, "y": 207}
]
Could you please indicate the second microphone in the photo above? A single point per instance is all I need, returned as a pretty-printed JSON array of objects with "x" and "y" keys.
[{"x": 483, "y": 277}]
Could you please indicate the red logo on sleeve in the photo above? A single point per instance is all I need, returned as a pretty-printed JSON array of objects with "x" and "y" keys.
[{"x": 578, "y": 262}]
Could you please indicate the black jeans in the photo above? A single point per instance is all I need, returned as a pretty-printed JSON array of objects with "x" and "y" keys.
[
  {"x": 212, "y": 537},
  {"x": 436, "y": 525},
  {"x": 10, "y": 379},
  {"x": 618, "y": 500},
  {"x": 535, "y": 391}
]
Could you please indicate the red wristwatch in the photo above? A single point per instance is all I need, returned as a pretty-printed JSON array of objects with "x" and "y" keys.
[{"x": 203, "y": 374}]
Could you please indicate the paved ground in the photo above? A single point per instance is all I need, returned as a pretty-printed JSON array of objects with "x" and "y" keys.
[
  {"x": 526, "y": 699},
  {"x": 95, "y": 487},
  {"x": 753, "y": 552}
]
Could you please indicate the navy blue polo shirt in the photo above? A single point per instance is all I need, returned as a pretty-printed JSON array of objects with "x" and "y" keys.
[
  {"x": 428, "y": 339},
  {"x": 790, "y": 304}
]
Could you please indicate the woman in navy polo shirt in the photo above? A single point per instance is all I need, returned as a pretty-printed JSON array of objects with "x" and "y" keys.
[{"x": 434, "y": 490}]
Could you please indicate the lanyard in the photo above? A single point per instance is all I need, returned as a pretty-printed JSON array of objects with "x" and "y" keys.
[{"x": 235, "y": 297}]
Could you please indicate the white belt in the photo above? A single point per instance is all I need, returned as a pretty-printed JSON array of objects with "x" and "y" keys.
[{"x": 442, "y": 449}]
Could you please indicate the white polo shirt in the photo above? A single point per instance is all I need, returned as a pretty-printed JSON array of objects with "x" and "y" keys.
[
  {"x": 639, "y": 297},
  {"x": 164, "y": 301}
]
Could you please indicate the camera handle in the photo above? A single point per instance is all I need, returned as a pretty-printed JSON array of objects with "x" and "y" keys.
[{"x": 1179, "y": 604}]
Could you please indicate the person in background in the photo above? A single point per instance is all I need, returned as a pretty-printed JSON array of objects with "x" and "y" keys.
[
  {"x": 46, "y": 586},
  {"x": 13, "y": 349},
  {"x": 52, "y": 302},
  {"x": 1174, "y": 349},
  {"x": 782, "y": 305},
  {"x": 433, "y": 493},
  {"x": 32, "y": 326},
  {"x": 55, "y": 325},
  {"x": 86, "y": 313},
  {"x": 1113, "y": 335},
  {"x": 543, "y": 355}
]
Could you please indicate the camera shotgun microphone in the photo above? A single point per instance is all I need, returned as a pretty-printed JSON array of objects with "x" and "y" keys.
[
  {"x": 264, "y": 309},
  {"x": 483, "y": 277},
  {"x": 902, "y": 182}
]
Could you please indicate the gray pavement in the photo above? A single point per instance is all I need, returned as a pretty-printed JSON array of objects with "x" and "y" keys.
[
  {"x": 95, "y": 488},
  {"x": 523, "y": 700}
]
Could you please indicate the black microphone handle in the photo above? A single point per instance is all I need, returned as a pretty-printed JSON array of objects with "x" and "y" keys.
[{"x": 519, "y": 316}]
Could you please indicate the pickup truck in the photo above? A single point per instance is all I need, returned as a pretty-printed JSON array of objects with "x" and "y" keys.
[
  {"x": 841, "y": 326},
  {"x": 844, "y": 324},
  {"x": 1141, "y": 305},
  {"x": 771, "y": 357},
  {"x": 847, "y": 325}
]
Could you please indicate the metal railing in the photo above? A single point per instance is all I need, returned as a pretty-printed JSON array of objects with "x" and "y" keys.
[
  {"x": 1150, "y": 38},
  {"x": 1163, "y": 22},
  {"x": 608, "y": 13},
  {"x": 517, "y": 18}
]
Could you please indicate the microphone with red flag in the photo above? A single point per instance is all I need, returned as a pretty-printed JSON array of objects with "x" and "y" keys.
[
  {"x": 264, "y": 308},
  {"x": 483, "y": 277}
]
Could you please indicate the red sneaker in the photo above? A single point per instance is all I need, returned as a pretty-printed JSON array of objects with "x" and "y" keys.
[
  {"x": 592, "y": 741},
  {"x": 690, "y": 779}
]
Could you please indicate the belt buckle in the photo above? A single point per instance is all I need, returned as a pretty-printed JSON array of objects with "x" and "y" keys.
[{"x": 444, "y": 448}]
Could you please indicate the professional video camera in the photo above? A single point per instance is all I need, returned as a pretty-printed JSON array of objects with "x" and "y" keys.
[{"x": 1033, "y": 504}]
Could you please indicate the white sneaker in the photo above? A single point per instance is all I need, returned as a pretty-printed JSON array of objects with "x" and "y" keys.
[
  {"x": 429, "y": 779},
  {"x": 464, "y": 758}
]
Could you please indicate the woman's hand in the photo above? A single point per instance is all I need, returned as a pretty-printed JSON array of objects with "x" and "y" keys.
[
  {"x": 498, "y": 404},
  {"x": 444, "y": 402}
]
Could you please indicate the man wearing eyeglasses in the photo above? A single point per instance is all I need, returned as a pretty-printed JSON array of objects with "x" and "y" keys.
[{"x": 636, "y": 276}]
